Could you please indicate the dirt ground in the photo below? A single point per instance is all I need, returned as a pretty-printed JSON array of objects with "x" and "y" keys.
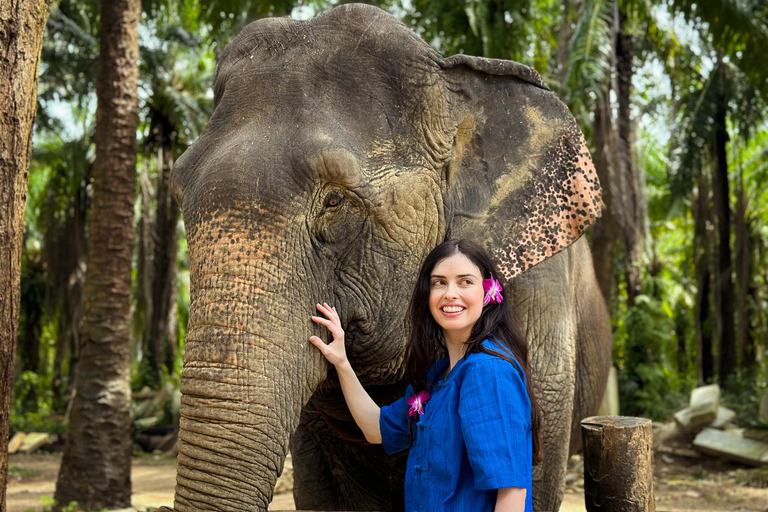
[{"x": 681, "y": 483}]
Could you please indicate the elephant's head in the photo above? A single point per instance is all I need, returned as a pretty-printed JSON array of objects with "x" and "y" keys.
[{"x": 340, "y": 152}]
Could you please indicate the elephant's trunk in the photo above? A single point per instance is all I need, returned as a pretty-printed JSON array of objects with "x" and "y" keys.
[{"x": 248, "y": 371}]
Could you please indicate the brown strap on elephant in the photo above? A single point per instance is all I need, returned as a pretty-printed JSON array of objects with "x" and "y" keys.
[{"x": 341, "y": 433}]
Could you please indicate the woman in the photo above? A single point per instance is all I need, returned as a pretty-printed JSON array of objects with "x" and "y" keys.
[{"x": 470, "y": 419}]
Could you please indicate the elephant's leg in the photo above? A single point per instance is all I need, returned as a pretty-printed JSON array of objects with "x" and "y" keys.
[
  {"x": 594, "y": 344},
  {"x": 543, "y": 304},
  {"x": 313, "y": 483},
  {"x": 333, "y": 474}
]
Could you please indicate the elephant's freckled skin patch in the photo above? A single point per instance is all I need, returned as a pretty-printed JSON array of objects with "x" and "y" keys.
[{"x": 555, "y": 220}]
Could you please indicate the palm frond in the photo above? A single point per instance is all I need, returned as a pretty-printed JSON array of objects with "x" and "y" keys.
[
  {"x": 737, "y": 27},
  {"x": 589, "y": 58}
]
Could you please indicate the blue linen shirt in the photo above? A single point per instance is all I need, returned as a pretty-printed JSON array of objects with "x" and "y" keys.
[{"x": 473, "y": 438}]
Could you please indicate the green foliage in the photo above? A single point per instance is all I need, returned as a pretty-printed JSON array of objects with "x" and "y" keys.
[
  {"x": 21, "y": 472},
  {"x": 50, "y": 504},
  {"x": 654, "y": 344},
  {"x": 742, "y": 393},
  {"x": 649, "y": 383},
  {"x": 38, "y": 415}
]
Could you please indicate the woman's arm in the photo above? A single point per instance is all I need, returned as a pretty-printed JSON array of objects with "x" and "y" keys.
[
  {"x": 510, "y": 499},
  {"x": 364, "y": 410}
]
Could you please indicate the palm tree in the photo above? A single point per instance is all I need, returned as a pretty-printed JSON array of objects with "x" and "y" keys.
[
  {"x": 95, "y": 469},
  {"x": 21, "y": 37}
]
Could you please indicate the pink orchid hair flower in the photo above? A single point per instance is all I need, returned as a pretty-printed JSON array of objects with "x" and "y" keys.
[
  {"x": 417, "y": 403},
  {"x": 492, "y": 292}
]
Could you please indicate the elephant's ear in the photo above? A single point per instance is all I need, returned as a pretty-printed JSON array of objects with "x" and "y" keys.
[{"x": 521, "y": 179}]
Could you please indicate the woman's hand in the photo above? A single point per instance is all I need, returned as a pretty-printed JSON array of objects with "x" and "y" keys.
[
  {"x": 364, "y": 410},
  {"x": 334, "y": 352}
]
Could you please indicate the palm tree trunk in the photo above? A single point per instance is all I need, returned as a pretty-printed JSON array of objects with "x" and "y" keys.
[
  {"x": 566, "y": 32},
  {"x": 629, "y": 205},
  {"x": 95, "y": 469},
  {"x": 702, "y": 308},
  {"x": 743, "y": 275},
  {"x": 681, "y": 326},
  {"x": 757, "y": 297},
  {"x": 164, "y": 290},
  {"x": 722, "y": 209},
  {"x": 21, "y": 38},
  {"x": 144, "y": 273},
  {"x": 604, "y": 230},
  {"x": 160, "y": 329},
  {"x": 66, "y": 259}
]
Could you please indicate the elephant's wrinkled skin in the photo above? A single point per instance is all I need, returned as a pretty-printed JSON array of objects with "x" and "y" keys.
[{"x": 340, "y": 152}]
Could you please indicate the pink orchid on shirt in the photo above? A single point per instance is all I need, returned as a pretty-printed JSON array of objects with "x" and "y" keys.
[{"x": 417, "y": 403}]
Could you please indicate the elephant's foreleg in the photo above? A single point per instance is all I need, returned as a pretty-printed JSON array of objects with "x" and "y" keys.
[
  {"x": 333, "y": 474},
  {"x": 543, "y": 307},
  {"x": 594, "y": 341},
  {"x": 313, "y": 485}
]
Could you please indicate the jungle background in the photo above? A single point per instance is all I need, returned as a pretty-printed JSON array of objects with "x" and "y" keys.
[{"x": 670, "y": 94}]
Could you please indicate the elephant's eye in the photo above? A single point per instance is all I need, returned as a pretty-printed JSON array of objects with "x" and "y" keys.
[{"x": 333, "y": 200}]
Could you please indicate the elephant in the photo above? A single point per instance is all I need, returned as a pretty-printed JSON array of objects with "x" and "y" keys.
[{"x": 340, "y": 151}]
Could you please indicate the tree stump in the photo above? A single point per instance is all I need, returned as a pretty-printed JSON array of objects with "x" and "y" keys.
[{"x": 618, "y": 471}]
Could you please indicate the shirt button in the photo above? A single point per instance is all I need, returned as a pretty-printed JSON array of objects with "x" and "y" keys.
[{"x": 417, "y": 467}]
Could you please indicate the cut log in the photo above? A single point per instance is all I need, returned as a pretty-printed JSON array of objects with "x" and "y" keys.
[
  {"x": 34, "y": 440},
  {"x": 16, "y": 441},
  {"x": 705, "y": 401},
  {"x": 724, "y": 417},
  {"x": 683, "y": 420},
  {"x": 732, "y": 446},
  {"x": 618, "y": 471}
]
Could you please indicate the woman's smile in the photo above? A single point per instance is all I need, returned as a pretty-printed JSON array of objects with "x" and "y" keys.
[{"x": 451, "y": 310}]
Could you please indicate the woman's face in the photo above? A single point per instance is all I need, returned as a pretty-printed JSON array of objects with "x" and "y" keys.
[{"x": 456, "y": 296}]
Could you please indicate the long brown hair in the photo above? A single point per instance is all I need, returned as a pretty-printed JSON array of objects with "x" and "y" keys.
[{"x": 426, "y": 343}]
